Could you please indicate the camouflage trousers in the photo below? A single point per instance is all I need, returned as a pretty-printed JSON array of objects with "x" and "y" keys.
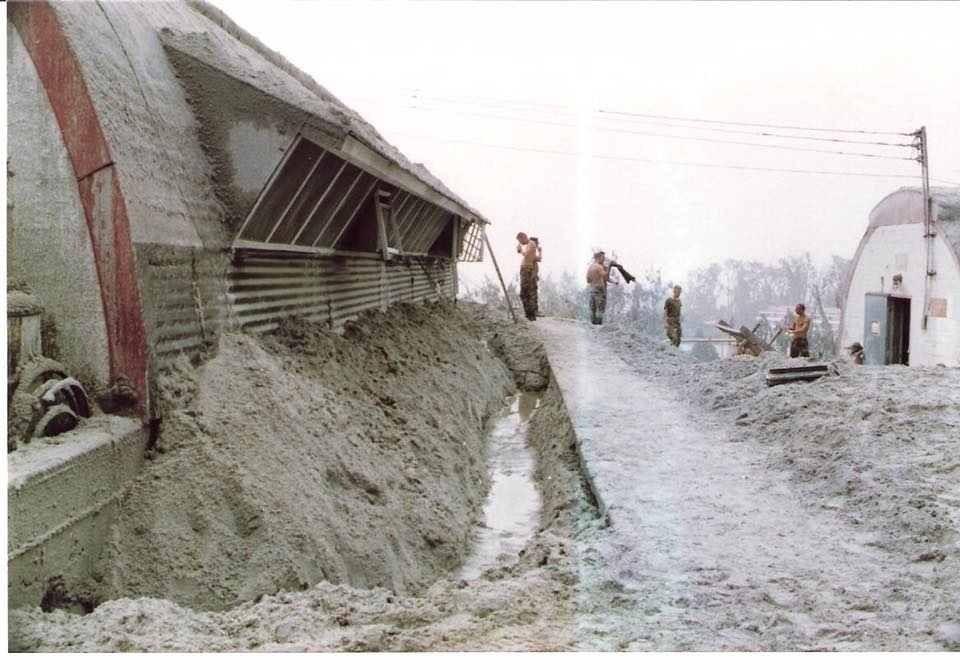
[
  {"x": 528, "y": 290},
  {"x": 598, "y": 304},
  {"x": 674, "y": 331}
]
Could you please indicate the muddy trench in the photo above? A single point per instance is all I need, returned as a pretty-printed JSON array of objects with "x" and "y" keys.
[{"x": 366, "y": 491}]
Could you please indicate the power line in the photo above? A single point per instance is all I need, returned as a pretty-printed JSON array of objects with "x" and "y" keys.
[
  {"x": 758, "y": 133},
  {"x": 565, "y": 111},
  {"x": 638, "y": 132},
  {"x": 634, "y": 159},
  {"x": 756, "y": 125},
  {"x": 420, "y": 93}
]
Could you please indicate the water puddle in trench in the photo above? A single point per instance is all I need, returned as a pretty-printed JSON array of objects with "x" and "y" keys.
[{"x": 512, "y": 512}]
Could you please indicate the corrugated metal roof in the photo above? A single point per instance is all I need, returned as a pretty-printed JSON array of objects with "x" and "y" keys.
[{"x": 905, "y": 205}]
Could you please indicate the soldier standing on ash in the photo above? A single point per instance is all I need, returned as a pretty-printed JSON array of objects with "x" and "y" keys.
[
  {"x": 598, "y": 276},
  {"x": 671, "y": 317},
  {"x": 529, "y": 257}
]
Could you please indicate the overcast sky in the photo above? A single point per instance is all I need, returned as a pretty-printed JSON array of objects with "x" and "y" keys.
[{"x": 510, "y": 105}]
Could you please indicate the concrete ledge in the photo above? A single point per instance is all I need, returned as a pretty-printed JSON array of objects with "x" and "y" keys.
[
  {"x": 62, "y": 496},
  {"x": 581, "y": 446}
]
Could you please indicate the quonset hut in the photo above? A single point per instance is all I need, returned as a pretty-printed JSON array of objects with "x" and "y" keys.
[
  {"x": 168, "y": 177},
  {"x": 893, "y": 307}
]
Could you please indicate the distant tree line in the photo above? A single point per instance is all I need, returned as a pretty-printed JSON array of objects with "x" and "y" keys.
[{"x": 734, "y": 290}]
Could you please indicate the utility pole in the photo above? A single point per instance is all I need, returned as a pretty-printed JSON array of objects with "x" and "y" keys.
[
  {"x": 506, "y": 294},
  {"x": 928, "y": 232}
]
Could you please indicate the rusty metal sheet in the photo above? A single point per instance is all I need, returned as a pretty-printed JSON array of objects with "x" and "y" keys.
[{"x": 100, "y": 193}]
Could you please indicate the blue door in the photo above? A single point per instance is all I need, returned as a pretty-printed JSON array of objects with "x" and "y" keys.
[{"x": 874, "y": 329}]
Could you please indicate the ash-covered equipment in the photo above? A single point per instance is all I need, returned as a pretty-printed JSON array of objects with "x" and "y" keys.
[{"x": 42, "y": 399}]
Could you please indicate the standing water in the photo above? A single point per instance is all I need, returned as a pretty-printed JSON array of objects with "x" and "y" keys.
[{"x": 511, "y": 513}]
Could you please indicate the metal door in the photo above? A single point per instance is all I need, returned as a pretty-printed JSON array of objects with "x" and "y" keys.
[{"x": 874, "y": 329}]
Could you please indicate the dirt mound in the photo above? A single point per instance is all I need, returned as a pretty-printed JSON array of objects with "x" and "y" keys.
[
  {"x": 306, "y": 456},
  {"x": 527, "y": 604}
]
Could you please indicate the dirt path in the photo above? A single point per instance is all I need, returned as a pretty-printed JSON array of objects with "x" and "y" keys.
[{"x": 707, "y": 547}]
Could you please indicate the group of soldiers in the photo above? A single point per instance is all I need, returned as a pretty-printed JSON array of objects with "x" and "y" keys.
[{"x": 599, "y": 275}]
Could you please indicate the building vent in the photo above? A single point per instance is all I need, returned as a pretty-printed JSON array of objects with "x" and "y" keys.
[{"x": 316, "y": 202}]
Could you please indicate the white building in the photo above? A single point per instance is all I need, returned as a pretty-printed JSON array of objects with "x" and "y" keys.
[{"x": 887, "y": 288}]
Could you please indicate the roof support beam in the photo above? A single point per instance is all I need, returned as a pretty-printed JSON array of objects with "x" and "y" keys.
[
  {"x": 373, "y": 162},
  {"x": 323, "y": 197},
  {"x": 303, "y": 184},
  {"x": 405, "y": 199},
  {"x": 336, "y": 210},
  {"x": 269, "y": 184},
  {"x": 353, "y": 214},
  {"x": 423, "y": 231},
  {"x": 410, "y": 218}
]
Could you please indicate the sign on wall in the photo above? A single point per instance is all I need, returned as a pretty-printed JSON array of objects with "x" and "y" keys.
[{"x": 937, "y": 307}]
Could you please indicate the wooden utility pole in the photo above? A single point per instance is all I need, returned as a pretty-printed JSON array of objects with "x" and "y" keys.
[
  {"x": 496, "y": 267},
  {"x": 928, "y": 232},
  {"x": 455, "y": 255}
]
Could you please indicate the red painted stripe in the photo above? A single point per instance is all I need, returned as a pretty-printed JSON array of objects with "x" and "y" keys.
[{"x": 104, "y": 206}]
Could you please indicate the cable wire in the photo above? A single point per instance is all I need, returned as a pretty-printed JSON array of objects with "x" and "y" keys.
[
  {"x": 639, "y": 132},
  {"x": 419, "y": 92},
  {"x": 417, "y": 96},
  {"x": 634, "y": 159},
  {"x": 757, "y": 125}
]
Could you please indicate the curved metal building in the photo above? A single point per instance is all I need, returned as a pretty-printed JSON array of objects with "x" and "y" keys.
[
  {"x": 170, "y": 176},
  {"x": 887, "y": 307}
]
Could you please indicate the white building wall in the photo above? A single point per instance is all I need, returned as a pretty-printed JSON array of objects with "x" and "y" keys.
[
  {"x": 48, "y": 244},
  {"x": 892, "y": 250}
]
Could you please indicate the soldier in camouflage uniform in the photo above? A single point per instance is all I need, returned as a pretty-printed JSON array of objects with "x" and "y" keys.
[
  {"x": 671, "y": 317},
  {"x": 528, "y": 275}
]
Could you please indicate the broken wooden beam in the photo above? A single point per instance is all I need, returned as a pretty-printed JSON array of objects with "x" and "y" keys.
[
  {"x": 757, "y": 346},
  {"x": 800, "y": 373}
]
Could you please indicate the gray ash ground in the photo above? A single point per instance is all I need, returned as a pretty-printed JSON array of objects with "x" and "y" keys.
[
  {"x": 807, "y": 516},
  {"x": 866, "y": 465}
]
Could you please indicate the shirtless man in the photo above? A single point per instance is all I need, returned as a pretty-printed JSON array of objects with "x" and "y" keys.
[
  {"x": 527, "y": 249},
  {"x": 597, "y": 278},
  {"x": 801, "y": 326}
]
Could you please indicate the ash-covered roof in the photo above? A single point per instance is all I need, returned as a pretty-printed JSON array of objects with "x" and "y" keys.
[
  {"x": 281, "y": 79},
  {"x": 905, "y": 205},
  {"x": 179, "y": 184}
]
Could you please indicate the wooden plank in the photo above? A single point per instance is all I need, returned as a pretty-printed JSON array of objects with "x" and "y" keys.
[
  {"x": 323, "y": 197},
  {"x": 775, "y": 336},
  {"x": 269, "y": 184},
  {"x": 286, "y": 210},
  {"x": 336, "y": 210},
  {"x": 723, "y": 326},
  {"x": 496, "y": 267},
  {"x": 381, "y": 229},
  {"x": 373, "y": 162},
  {"x": 755, "y": 342},
  {"x": 354, "y": 213},
  {"x": 807, "y": 373}
]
